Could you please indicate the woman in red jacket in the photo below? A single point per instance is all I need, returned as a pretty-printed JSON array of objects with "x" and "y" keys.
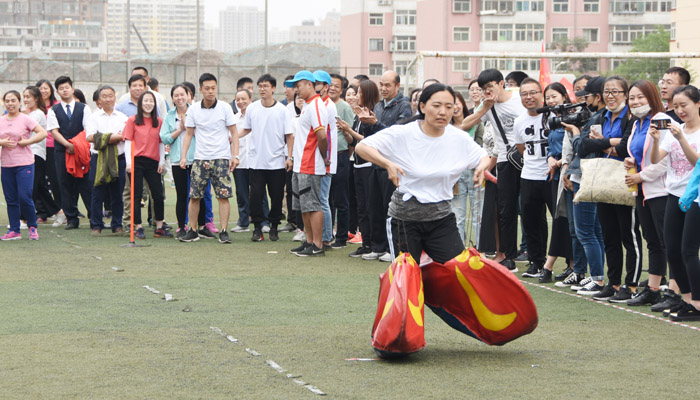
[{"x": 149, "y": 160}]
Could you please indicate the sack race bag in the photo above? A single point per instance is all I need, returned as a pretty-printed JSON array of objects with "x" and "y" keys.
[
  {"x": 480, "y": 298},
  {"x": 603, "y": 181},
  {"x": 398, "y": 326}
]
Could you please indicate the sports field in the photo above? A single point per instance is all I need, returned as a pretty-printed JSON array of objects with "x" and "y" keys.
[{"x": 251, "y": 321}]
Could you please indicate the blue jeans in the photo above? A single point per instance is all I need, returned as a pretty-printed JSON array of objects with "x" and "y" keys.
[
  {"x": 114, "y": 189},
  {"x": 459, "y": 206},
  {"x": 590, "y": 235},
  {"x": 326, "y": 207},
  {"x": 577, "y": 249},
  {"x": 242, "y": 182},
  {"x": 209, "y": 213},
  {"x": 17, "y": 184}
]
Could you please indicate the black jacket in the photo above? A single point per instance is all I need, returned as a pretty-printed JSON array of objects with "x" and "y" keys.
[
  {"x": 398, "y": 109},
  {"x": 598, "y": 146}
]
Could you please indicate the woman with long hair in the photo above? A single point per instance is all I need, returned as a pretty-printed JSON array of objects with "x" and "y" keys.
[
  {"x": 680, "y": 145},
  {"x": 143, "y": 129},
  {"x": 49, "y": 180},
  {"x": 17, "y": 165}
]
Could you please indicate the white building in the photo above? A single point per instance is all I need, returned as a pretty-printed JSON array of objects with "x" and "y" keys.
[
  {"x": 241, "y": 28},
  {"x": 327, "y": 33}
]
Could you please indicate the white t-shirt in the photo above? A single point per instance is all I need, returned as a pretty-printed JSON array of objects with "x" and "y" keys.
[
  {"x": 99, "y": 121},
  {"x": 679, "y": 168},
  {"x": 307, "y": 158},
  {"x": 268, "y": 127},
  {"x": 507, "y": 113},
  {"x": 211, "y": 130},
  {"x": 528, "y": 130},
  {"x": 242, "y": 142},
  {"x": 39, "y": 149},
  {"x": 432, "y": 164},
  {"x": 332, "y": 134}
]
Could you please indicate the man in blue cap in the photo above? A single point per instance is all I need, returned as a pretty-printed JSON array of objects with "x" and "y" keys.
[{"x": 310, "y": 163}]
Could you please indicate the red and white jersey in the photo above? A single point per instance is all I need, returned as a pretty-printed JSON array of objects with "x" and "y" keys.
[
  {"x": 332, "y": 134},
  {"x": 307, "y": 158}
]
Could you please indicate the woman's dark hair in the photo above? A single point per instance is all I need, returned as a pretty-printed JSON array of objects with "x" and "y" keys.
[
  {"x": 623, "y": 83},
  {"x": 428, "y": 92},
  {"x": 688, "y": 91},
  {"x": 296, "y": 109},
  {"x": 465, "y": 109},
  {"x": 414, "y": 91},
  {"x": 78, "y": 94},
  {"x": 52, "y": 97},
  {"x": 473, "y": 81},
  {"x": 34, "y": 92},
  {"x": 190, "y": 88},
  {"x": 138, "y": 120},
  {"x": 370, "y": 94},
  {"x": 558, "y": 87},
  {"x": 180, "y": 85},
  {"x": 14, "y": 93},
  {"x": 649, "y": 91}
]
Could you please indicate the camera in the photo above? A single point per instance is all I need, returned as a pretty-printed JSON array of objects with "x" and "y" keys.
[{"x": 572, "y": 114}]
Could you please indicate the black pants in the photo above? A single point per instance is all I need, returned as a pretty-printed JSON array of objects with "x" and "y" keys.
[
  {"x": 620, "y": 227},
  {"x": 181, "y": 177},
  {"x": 339, "y": 196},
  {"x": 560, "y": 242},
  {"x": 682, "y": 245},
  {"x": 535, "y": 199},
  {"x": 508, "y": 191},
  {"x": 362, "y": 196},
  {"x": 440, "y": 238},
  {"x": 273, "y": 180},
  {"x": 651, "y": 218},
  {"x": 489, "y": 217},
  {"x": 293, "y": 216},
  {"x": 44, "y": 202},
  {"x": 352, "y": 198},
  {"x": 147, "y": 168},
  {"x": 52, "y": 177},
  {"x": 380, "y": 191},
  {"x": 71, "y": 187}
]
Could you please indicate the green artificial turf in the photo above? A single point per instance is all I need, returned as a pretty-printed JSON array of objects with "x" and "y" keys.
[{"x": 72, "y": 326}]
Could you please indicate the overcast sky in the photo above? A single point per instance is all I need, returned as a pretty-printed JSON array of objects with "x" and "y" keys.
[{"x": 281, "y": 13}]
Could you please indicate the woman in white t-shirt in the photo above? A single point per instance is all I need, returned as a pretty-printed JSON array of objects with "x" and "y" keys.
[
  {"x": 424, "y": 159},
  {"x": 680, "y": 229}
]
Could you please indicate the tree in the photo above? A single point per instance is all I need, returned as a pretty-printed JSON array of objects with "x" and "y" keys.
[
  {"x": 577, "y": 44},
  {"x": 648, "y": 68}
]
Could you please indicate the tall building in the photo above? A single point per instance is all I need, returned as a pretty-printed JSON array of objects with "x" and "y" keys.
[
  {"x": 377, "y": 35},
  {"x": 165, "y": 26},
  {"x": 30, "y": 12},
  {"x": 241, "y": 28},
  {"x": 684, "y": 36},
  {"x": 327, "y": 33}
]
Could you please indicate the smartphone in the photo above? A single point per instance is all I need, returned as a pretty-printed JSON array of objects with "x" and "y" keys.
[
  {"x": 597, "y": 129},
  {"x": 661, "y": 123},
  {"x": 337, "y": 118}
]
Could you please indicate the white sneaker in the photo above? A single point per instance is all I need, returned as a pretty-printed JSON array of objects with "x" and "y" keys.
[
  {"x": 299, "y": 236},
  {"x": 239, "y": 229},
  {"x": 60, "y": 220},
  {"x": 266, "y": 229},
  {"x": 386, "y": 257},
  {"x": 372, "y": 256},
  {"x": 287, "y": 228}
]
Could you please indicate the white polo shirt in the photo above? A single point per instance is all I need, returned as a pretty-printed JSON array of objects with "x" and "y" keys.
[
  {"x": 268, "y": 127},
  {"x": 101, "y": 122},
  {"x": 211, "y": 130},
  {"x": 307, "y": 158}
]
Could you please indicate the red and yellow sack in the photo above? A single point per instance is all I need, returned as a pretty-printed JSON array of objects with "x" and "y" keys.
[
  {"x": 398, "y": 325},
  {"x": 480, "y": 298}
]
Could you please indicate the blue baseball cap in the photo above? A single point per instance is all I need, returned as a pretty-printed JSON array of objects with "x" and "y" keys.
[
  {"x": 322, "y": 76},
  {"x": 300, "y": 76}
]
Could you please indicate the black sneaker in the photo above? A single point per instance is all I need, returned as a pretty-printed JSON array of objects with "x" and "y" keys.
[
  {"x": 607, "y": 292},
  {"x": 645, "y": 297},
  {"x": 190, "y": 236},
  {"x": 224, "y": 238},
  {"x": 677, "y": 307},
  {"x": 181, "y": 233},
  {"x": 257, "y": 235},
  {"x": 510, "y": 264},
  {"x": 139, "y": 234},
  {"x": 591, "y": 288},
  {"x": 304, "y": 245},
  {"x": 572, "y": 279},
  {"x": 311, "y": 251},
  {"x": 623, "y": 295},
  {"x": 522, "y": 257},
  {"x": 274, "y": 236},
  {"x": 339, "y": 245},
  {"x": 568, "y": 271},
  {"x": 686, "y": 313},
  {"x": 162, "y": 233},
  {"x": 360, "y": 251},
  {"x": 545, "y": 276},
  {"x": 581, "y": 284},
  {"x": 533, "y": 271},
  {"x": 645, "y": 282},
  {"x": 327, "y": 247},
  {"x": 205, "y": 233},
  {"x": 669, "y": 300}
]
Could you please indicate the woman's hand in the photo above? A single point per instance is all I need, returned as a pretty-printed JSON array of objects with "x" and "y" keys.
[
  {"x": 7, "y": 143},
  {"x": 395, "y": 173},
  {"x": 655, "y": 134},
  {"x": 630, "y": 163},
  {"x": 633, "y": 179},
  {"x": 23, "y": 143},
  {"x": 676, "y": 132},
  {"x": 571, "y": 129},
  {"x": 342, "y": 125}
]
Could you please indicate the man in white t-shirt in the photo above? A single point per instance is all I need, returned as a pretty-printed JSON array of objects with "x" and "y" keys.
[
  {"x": 215, "y": 156},
  {"x": 310, "y": 163},
  {"x": 270, "y": 129},
  {"x": 507, "y": 107}
]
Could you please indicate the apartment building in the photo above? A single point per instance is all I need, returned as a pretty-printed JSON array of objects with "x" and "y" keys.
[{"x": 326, "y": 33}]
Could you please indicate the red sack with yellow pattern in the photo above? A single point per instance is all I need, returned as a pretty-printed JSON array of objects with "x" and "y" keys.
[
  {"x": 480, "y": 298},
  {"x": 398, "y": 325}
]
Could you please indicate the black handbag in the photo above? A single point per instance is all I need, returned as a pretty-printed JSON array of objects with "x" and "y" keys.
[{"x": 513, "y": 155}]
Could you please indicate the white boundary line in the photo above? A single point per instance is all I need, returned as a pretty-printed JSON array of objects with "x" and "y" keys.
[{"x": 694, "y": 328}]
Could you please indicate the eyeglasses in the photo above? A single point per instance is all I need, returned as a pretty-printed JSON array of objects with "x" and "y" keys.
[
  {"x": 475, "y": 90},
  {"x": 666, "y": 82},
  {"x": 531, "y": 93},
  {"x": 614, "y": 93}
]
